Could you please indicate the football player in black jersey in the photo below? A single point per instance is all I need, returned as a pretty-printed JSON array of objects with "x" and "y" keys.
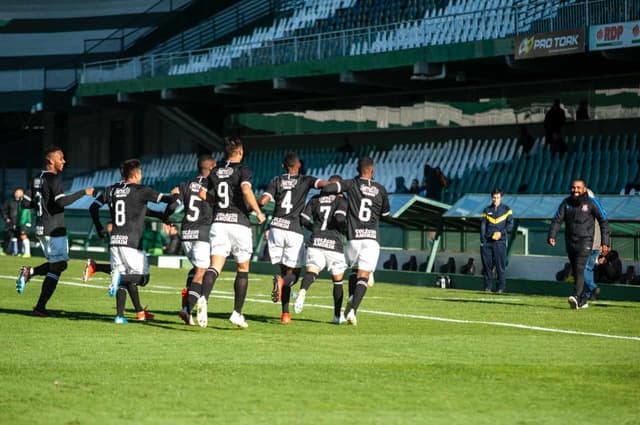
[
  {"x": 286, "y": 240},
  {"x": 48, "y": 199},
  {"x": 196, "y": 225},
  {"x": 229, "y": 191},
  {"x": 326, "y": 216},
  {"x": 368, "y": 202},
  {"x": 127, "y": 202}
]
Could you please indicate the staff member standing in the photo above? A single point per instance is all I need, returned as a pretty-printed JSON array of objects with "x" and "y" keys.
[
  {"x": 579, "y": 213},
  {"x": 495, "y": 226}
]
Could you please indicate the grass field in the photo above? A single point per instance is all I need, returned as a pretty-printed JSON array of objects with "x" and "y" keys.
[{"x": 418, "y": 355}]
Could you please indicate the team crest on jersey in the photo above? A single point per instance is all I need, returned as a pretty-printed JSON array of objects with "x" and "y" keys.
[
  {"x": 288, "y": 184},
  {"x": 121, "y": 192},
  {"x": 195, "y": 187},
  {"x": 369, "y": 190},
  {"x": 224, "y": 173}
]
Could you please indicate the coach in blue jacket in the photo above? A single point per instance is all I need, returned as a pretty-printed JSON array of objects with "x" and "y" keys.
[{"x": 495, "y": 226}]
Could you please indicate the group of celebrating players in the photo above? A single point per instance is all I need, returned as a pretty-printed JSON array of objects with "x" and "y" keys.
[{"x": 217, "y": 206}]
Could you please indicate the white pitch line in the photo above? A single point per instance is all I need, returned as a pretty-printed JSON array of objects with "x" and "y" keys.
[{"x": 384, "y": 313}]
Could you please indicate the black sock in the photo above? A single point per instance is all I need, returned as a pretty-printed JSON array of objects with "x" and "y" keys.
[
  {"x": 338, "y": 295},
  {"x": 48, "y": 288},
  {"x": 135, "y": 296},
  {"x": 40, "y": 270},
  {"x": 289, "y": 280},
  {"x": 353, "y": 279},
  {"x": 209, "y": 279},
  {"x": 286, "y": 297},
  {"x": 240, "y": 287},
  {"x": 121, "y": 299},
  {"x": 308, "y": 280},
  {"x": 103, "y": 268},
  {"x": 358, "y": 295},
  {"x": 190, "y": 275},
  {"x": 195, "y": 291}
]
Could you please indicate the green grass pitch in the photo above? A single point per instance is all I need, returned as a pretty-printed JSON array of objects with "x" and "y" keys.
[{"x": 418, "y": 356}]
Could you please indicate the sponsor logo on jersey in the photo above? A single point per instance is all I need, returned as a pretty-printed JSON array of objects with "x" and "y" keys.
[
  {"x": 119, "y": 239},
  {"x": 190, "y": 234},
  {"x": 195, "y": 187},
  {"x": 227, "y": 217},
  {"x": 327, "y": 199},
  {"x": 121, "y": 192},
  {"x": 369, "y": 190},
  {"x": 288, "y": 184},
  {"x": 282, "y": 223},
  {"x": 37, "y": 183},
  {"x": 224, "y": 173},
  {"x": 324, "y": 243},
  {"x": 366, "y": 234}
]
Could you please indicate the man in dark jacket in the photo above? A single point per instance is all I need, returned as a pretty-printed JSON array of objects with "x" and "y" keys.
[
  {"x": 579, "y": 213},
  {"x": 495, "y": 225}
]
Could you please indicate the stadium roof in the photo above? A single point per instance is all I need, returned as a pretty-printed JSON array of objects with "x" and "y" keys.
[{"x": 416, "y": 212}]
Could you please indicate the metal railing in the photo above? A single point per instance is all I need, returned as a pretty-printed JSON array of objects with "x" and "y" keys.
[{"x": 437, "y": 29}]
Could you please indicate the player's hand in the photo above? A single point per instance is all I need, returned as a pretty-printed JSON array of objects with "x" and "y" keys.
[
  {"x": 551, "y": 241},
  {"x": 89, "y": 191},
  {"x": 261, "y": 217}
]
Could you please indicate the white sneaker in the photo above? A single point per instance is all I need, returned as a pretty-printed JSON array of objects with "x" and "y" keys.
[
  {"x": 338, "y": 320},
  {"x": 201, "y": 312},
  {"x": 299, "y": 305},
  {"x": 351, "y": 318},
  {"x": 238, "y": 320},
  {"x": 573, "y": 302}
]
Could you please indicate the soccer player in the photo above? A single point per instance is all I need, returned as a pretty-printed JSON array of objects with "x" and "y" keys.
[
  {"x": 48, "y": 199},
  {"x": 326, "y": 216},
  {"x": 196, "y": 226},
  {"x": 368, "y": 202},
  {"x": 286, "y": 240},
  {"x": 127, "y": 202},
  {"x": 229, "y": 190}
]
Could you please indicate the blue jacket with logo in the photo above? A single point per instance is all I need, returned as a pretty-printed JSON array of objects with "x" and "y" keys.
[{"x": 496, "y": 219}]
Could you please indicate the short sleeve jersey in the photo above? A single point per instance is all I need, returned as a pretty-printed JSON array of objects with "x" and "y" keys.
[
  {"x": 128, "y": 207},
  {"x": 368, "y": 202},
  {"x": 198, "y": 214},
  {"x": 322, "y": 211},
  {"x": 289, "y": 194},
  {"x": 225, "y": 187},
  {"x": 46, "y": 189}
]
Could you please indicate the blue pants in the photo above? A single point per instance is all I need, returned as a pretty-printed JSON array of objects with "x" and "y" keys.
[
  {"x": 494, "y": 253},
  {"x": 589, "y": 283}
]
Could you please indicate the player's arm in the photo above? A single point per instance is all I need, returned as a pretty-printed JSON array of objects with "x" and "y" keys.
[
  {"x": 27, "y": 200},
  {"x": 268, "y": 194},
  {"x": 250, "y": 199},
  {"x": 556, "y": 222},
  {"x": 340, "y": 215},
  {"x": 509, "y": 225},
  {"x": 63, "y": 200},
  {"x": 305, "y": 216},
  {"x": 337, "y": 187},
  {"x": 94, "y": 212}
]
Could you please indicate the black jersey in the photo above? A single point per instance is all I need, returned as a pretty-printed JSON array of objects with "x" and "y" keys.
[
  {"x": 289, "y": 193},
  {"x": 128, "y": 207},
  {"x": 198, "y": 214},
  {"x": 368, "y": 201},
  {"x": 328, "y": 213},
  {"x": 48, "y": 199},
  {"x": 225, "y": 187}
]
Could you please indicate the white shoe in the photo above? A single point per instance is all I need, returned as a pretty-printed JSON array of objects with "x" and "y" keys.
[
  {"x": 299, "y": 305},
  {"x": 238, "y": 320},
  {"x": 201, "y": 312},
  {"x": 351, "y": 318},
  {"x": 338, "y": 320},
  {"x": 573, "y": 302}
]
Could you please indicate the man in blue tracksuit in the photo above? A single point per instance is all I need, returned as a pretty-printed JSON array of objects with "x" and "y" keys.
[{"x": 495, "y": 225}]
